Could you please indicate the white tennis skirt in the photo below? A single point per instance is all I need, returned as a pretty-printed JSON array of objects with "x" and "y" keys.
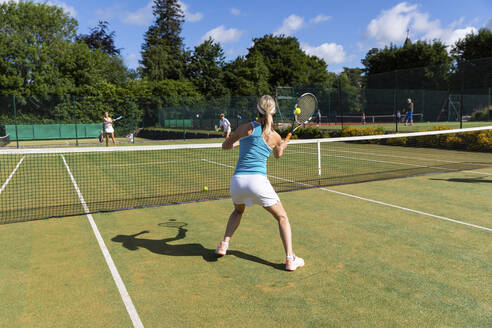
[
  {"x": 109, "y": 129},
  {"x": 252, "y": 189}
]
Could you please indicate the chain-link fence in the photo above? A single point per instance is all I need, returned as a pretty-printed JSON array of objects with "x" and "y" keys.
[{"x": 438, "y": 94}]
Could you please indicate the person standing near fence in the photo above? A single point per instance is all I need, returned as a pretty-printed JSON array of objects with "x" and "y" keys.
[
  {"x": 319, "y": 117},
  {"x": 409, "y": 115},
  {"x": 225, "y": 125},
  {"x": 108, "y": 128}
]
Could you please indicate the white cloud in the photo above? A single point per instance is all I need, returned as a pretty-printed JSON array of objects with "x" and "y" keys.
[
  {"x": 332, "y": 53},
  {"x": 66, "y": 8},
  {"x": 132, "y": 60},
  {"x": 223, "y": 35},
  {"x": 235, "y": 11},
  {"x": 290, "y": 25},
  {"x": 391, "y": 26},
  {"x": 320, "y": 18},
  {"x": 143, "y": 16},
  {"x": 189, "y": 16},
  {"x": 459, "y": 34}
]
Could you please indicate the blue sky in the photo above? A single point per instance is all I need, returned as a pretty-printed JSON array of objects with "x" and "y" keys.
[{"x": 341, "y": 32}]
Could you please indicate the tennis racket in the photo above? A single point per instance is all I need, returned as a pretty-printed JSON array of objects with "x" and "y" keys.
[
  {"x": 173, "y": 224},
  {"x": 118, "y": 118},
  {"x": 307, "y": 103}
]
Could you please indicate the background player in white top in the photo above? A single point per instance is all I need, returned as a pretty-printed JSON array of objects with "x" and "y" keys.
[
  {"x": 108, "y": 128},
  {"x": 225, "y": 125}
]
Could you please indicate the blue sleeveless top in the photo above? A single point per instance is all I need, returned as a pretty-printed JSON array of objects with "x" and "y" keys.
[{"x": 253, "y": 153}]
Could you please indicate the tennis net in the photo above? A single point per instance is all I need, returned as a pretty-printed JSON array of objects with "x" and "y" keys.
[{"x": 42, "y": 183}]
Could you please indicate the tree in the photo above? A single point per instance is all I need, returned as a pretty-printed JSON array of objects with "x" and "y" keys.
[
  {"x": 415, "y": 65},
  {"x": 247, "y": 76},
  {"x": 43, "y": 65},
  {"x": 473, "y": 56},
  {"x": 100, "y": 39},
  {"x": 474, "y": 46},
  {"x": 287, "y": 63},
  {"x": 163, "y": 55},
  {"x": 205, "y": 69},
  {"x": 355, "y": 76},
  {"x": 32, "y": 36}
]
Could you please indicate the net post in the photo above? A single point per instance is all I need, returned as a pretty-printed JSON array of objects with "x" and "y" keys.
[
  {"x": 75, "y": 120},
  {"x": 318, "y": 143},
  {"x": 462, "y": 93},
  {"x": 15, "y": 121}
]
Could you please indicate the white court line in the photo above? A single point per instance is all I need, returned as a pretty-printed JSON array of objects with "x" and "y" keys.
[
  {"x": 478, "y": 172},
  {"x": 372, "y": 200},
  {"x": 11, "y": 175},
  {"x": 130, "y": 308},
  {"x": 408, "y": 209},
  {"x": 394, "y": 163}
]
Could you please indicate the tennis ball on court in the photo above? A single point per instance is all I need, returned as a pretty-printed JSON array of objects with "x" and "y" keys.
[
  {"x": 205, "y": 188},
  {"x": 298, "y": 111}
]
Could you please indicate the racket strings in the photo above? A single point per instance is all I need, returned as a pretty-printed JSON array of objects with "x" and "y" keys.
[{"x": 307, "y": 104}]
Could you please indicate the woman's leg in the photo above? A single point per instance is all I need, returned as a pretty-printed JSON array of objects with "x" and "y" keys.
[
  {"x": 112, "y": 137},
  {"x": 234, "y": 221},
  {"x": 280, "y": 215},
  {"x": 107, "y": 138}
]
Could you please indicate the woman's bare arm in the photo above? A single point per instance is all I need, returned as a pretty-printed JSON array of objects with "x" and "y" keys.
[
  {"x": 278, "y": 150},
  {"x": 233, "y": 140}
]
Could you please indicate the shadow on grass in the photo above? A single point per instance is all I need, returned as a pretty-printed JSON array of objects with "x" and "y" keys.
[
  {"x": 464, "y": 180},
  {"x": 162, "y": 246}
]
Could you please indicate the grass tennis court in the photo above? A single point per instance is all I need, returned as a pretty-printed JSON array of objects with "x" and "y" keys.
[
  {"x": 381, "y": 250},
  {"x": 367, "y": 264}
]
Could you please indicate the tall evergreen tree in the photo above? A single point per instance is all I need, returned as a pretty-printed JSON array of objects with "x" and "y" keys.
[{"x": 163, "y": 55}]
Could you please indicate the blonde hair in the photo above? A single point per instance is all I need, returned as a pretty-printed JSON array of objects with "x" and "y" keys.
[{"x": 266, "y": 108}]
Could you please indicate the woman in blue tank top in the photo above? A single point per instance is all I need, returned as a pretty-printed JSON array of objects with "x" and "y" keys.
[{"x": 249, "y": 184}]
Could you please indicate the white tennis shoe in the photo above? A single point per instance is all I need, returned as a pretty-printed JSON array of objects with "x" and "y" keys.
[
  {"x": 222, "y": 248},
  {"x": 293, "y": 262}
]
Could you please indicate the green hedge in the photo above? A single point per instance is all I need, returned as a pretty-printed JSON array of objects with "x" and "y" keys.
[
  {"x": 470, "y": 141},
  {"x": 482, "y": 115}
]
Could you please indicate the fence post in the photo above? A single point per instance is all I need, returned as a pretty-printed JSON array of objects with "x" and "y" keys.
[
  {"x": 423, "y": 106},
  {"x": 75, "y": 120},
  {"x": 319, "y": 162},
  {"x": 15, "y": 122},
  {"x": 329, "y": 106},
  {"x": 340, "y": 100},
  {"x": 489, "y": 110},
  {"x": 462, "y": 100}
]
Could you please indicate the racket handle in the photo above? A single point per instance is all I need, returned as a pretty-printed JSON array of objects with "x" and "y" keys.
[{"x": 288, "y": 137}]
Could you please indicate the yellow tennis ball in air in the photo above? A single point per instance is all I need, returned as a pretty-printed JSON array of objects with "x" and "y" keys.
[
  {"x": 298, "y": 111},
  {"x": 205, "y": 188}
]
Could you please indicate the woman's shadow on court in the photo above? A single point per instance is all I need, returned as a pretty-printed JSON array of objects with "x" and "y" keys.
[{"x": 162, "y": 246}]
